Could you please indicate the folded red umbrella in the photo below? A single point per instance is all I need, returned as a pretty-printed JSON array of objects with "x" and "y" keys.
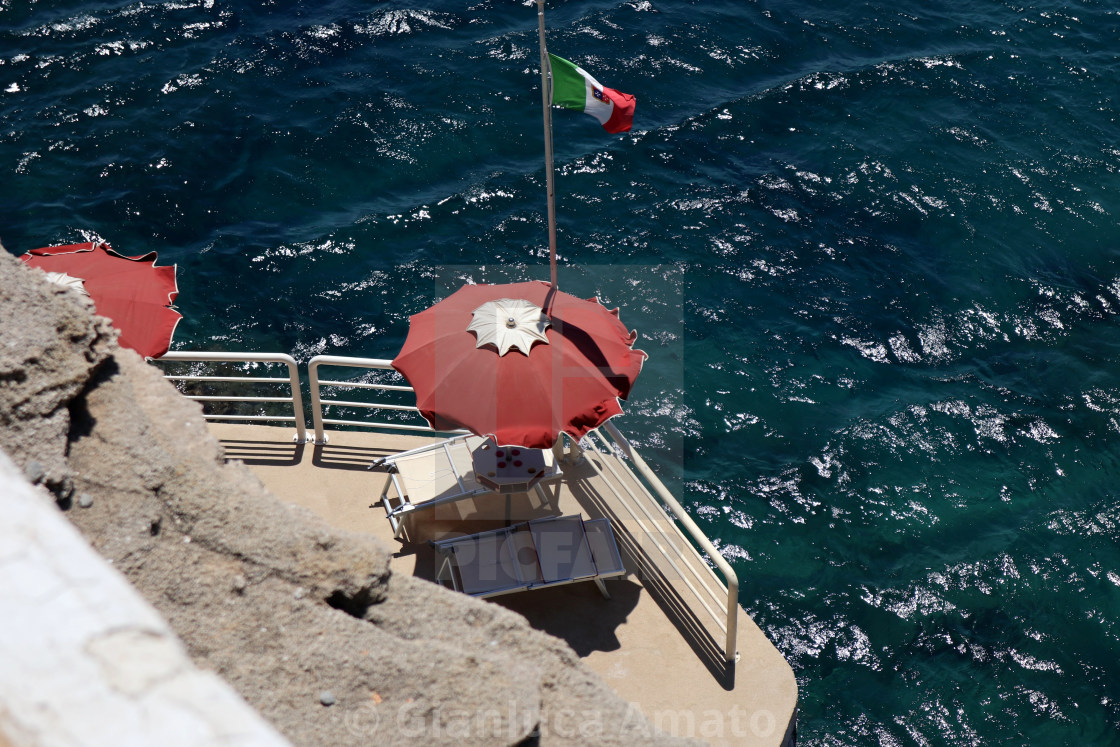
[
  {"x": 521, "y": 362},
  {"x": 131, "y": 291}
]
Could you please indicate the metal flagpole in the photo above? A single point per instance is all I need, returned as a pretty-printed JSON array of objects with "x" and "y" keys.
[{"x": 546, "y": 102}]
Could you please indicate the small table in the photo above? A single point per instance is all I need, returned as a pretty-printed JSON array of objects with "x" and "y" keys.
[{"x": 512, "y": 469}]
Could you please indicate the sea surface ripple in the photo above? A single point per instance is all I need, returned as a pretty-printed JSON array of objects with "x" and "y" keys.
[{"x": 871, "y": 247}]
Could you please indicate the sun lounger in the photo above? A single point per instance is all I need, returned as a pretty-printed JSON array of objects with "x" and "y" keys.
[
  {"x": 533, "y": 555},
  {"x": 427, "y": 477},
  {"x": 446, "y": 472}
]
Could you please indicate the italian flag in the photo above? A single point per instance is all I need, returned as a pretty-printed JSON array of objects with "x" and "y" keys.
[{"x": 574, "y": 88}]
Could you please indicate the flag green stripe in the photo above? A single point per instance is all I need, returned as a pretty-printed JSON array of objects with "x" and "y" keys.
[{"x": 569, "y": 88}]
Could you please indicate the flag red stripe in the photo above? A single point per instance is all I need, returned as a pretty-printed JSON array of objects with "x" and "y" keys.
[{"x": 622, "y": 118}]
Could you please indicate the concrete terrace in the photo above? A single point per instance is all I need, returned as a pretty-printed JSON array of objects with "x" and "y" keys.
[{"x": 657, "y": 641}]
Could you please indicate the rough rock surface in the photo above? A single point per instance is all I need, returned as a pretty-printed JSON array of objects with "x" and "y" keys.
[{"x": 304, "y": 621}]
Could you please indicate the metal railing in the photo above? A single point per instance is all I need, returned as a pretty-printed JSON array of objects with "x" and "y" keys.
[
  {"x": 318, "y": 404},
  {"x": 719, "y": 598},
  {"x": 291, "y": 381}
]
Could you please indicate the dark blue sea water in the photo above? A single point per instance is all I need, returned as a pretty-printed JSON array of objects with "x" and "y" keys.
[{"x": 870, "y": 246}]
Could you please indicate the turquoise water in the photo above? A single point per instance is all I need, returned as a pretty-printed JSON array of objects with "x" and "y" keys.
[{"x": 871, "y": 249}]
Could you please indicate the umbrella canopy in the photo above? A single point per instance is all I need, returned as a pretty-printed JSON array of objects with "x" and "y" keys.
[
  {"x": 131, "y": 291},
  {"x": 520, "y": 362}
]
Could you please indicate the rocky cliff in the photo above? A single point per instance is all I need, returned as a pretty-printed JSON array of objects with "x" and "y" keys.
[{"x": 307, "y": 623}]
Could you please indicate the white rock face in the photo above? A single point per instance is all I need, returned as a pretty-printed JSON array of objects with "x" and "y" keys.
[{"x": 84, "y": 659}]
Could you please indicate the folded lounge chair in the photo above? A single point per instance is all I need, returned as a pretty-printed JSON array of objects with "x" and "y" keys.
[{"x": 536, "y": 554}]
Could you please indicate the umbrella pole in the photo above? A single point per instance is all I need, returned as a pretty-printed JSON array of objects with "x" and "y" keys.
[{"x": 546, "y": 101}]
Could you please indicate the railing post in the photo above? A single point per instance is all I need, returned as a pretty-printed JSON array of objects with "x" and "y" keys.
[
  {"x": 316, "y": 402},
  {"x": 297, "y": 400}
]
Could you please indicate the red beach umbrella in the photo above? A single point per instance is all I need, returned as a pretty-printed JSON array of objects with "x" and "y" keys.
[
  {"x": 520, "y": 362},
  {"x": 131, "y": 291}
]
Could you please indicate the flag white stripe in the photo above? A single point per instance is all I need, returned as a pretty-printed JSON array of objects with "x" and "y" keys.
[{"x": 601, "y": 110}]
